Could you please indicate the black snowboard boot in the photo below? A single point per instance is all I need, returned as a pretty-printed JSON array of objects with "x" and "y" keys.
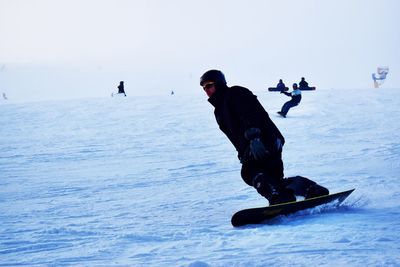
[
  {"x": 273, "y": 189},
  {"x": 316, "y": 191},
  {"x": 282, "y": 114},
  {"x": 284, "y": 195}
]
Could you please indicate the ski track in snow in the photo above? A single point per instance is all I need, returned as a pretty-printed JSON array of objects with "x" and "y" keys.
[{"x": 151, "y": 181}]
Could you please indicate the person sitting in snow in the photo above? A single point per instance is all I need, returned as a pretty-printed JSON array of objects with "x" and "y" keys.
[
  {"x": 280, "y": 86},
  {"x": 303, "y": 83},
  {"x": 296, "y": 98},
  {"x": 257, "y": 140}
]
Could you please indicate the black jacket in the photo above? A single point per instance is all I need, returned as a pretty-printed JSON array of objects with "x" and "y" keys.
[
  {"x": 236, "y": 111},
  {"x": 121, "y": 89}
]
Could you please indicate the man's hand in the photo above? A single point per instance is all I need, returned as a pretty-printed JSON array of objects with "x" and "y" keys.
[{"x": 258, "y": 149}]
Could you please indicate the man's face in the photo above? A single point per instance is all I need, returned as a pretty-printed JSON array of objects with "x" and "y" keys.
[{"x": 209, "y": 88}]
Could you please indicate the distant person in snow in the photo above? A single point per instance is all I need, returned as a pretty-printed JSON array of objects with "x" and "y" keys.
[
  {"x": 303, "y": 83},
  {"x": 257, "y": 140},
  {"x": 4, "y": 96},
  {"x": 121, "y": 89},
  {"x": 296, "y": 98},
  {"x": 281, "y": 86}
]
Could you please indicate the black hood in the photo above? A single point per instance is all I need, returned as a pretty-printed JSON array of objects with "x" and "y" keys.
[{"x": 218, "y": 96}]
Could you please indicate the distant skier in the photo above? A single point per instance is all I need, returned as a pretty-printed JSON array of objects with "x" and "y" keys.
[
  {"x": 121, "y": 89},
  {"x": 296, "y": 98},
  {"x": 303, "y": 83},
  {"x": 280, "y": 86},
  {"x": 4, "y": 96},
  {"x": 257, "y": 140}
]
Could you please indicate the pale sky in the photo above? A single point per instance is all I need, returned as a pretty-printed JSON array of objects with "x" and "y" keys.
[{"x": 53, "y": 49}]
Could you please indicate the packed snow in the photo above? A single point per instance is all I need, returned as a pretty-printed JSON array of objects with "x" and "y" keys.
[{"x": 151, "y": 181}]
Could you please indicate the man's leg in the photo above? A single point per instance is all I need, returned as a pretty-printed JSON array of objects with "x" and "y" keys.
[
  {"x": 288, "y": 105},
  {"x": 266, "y": 178},
  {"x": 285, "y": 108}
]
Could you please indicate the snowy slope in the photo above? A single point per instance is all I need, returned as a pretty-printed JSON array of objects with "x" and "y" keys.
[{"x": 151, "y": 181}]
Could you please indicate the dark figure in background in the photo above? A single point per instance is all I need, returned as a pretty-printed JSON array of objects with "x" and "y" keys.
[
  {"x": 257, "y": 140},
  {"x": 303, "y": 83},
  {"x": 281, "y": 86},
  {"x": 296, "y": 98},
  {"x": 121, "y": 89}
]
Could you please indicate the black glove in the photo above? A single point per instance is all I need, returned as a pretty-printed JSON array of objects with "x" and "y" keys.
[{"x": 257, "y": 148}]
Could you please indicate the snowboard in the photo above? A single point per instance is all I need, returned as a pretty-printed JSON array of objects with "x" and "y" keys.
[
  {"x": 312, "y": 88},
  {"x": 260, "y": 215},
  {"x": 274, "y": 89}
]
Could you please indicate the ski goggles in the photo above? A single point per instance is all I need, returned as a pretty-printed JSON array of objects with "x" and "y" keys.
[{"x": 208, "y": 86}]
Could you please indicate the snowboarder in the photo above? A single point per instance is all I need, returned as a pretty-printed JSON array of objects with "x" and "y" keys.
[
  {"x": 256, "y": 138},
  {"x": 296, "y": 98},
  {"x": 121, "y": 89},
  {"x": 280, "y": 86},
  {"x": 303, "y": 83}
]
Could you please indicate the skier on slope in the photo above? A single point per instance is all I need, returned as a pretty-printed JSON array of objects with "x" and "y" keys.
[{"x": 257, "y": 140}]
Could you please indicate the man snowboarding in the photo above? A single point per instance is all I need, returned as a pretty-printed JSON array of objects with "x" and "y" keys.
[
  {"x": 121, "y": 89},
  {"x": 257, "y": 140},
  {"x": 296, "y": 98}
]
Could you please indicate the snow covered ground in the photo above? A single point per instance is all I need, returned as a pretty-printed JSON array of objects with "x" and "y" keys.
[{"x": 151, "y": 181}]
